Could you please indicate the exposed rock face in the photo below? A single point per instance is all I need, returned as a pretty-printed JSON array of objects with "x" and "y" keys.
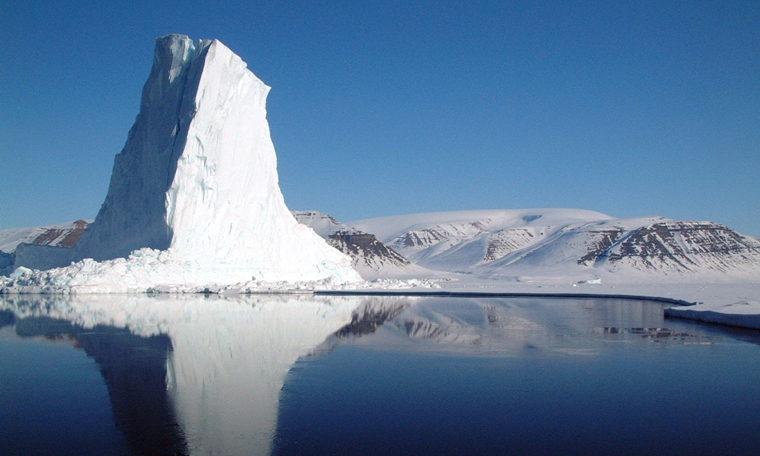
[
  {"x": 369, "y": 255},
  {"x": 569, "y": 244},
  {"x": 504, "y": 242},
  {"x": 680, "y": 246},
  {"x": 599, "y": 241},
  {"x": 364, "y": 247},
  {"x": 62, "y": 237},
  {"x": 424, "y": 238}
]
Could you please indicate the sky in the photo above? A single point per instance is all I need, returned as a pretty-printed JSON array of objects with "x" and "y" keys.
[{"x": 394, "y": 107}]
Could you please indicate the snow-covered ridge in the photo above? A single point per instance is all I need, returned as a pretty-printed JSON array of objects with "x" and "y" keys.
[
  {"x": 459, "y": 240},
  {"x": 58, "y": 240},
  {"x": 59, "y": 235},
  {"x": 392, "y": 227},
  {"x": 569, "y": 244},
  {"x": 369, "y": 256}
]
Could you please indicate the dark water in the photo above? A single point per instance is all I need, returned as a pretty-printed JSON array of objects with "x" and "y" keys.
[{"x": 353, "y": 375}]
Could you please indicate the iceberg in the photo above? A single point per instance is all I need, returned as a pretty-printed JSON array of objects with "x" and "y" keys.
[{"x": 196, "y": 181}]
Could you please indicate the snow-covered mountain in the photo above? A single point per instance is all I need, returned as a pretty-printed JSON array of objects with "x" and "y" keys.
[
  {"x": 369, "y": 256},
  {"x": 548, "y": 244},
  {"x": 64, "y": 235},
  {"x": 532, "y": 246},
  {"x": 60, "y": 235},
  {"x": 457, "y": 241},
  {"x": 194, "y": 197}
]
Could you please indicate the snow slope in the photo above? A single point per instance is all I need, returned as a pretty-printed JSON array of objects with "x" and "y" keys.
[
  {"x": 549, "y": 245},
  {"x": 197, "y": 179},
  {"x": 26, "y": 242},
  {"x": 392, "y": 227},
  {"x": 461, "y": 240},
  {"x": 59, "y": 235},
  {"x": 549, "y": 251},
  {"x": 369, "y": 256}
]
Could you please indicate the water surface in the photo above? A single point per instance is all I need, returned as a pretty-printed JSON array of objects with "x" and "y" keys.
[{"x": 371, "y": 375}]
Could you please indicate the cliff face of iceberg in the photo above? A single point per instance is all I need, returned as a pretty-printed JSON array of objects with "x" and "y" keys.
[
  {"x": 133, "y": 214},
  {"x": 198, "y": 178}
]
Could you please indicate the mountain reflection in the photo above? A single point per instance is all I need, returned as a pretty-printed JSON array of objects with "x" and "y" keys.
[
  {"x": 196, "y": 374},
  {"x": 503, "y": 327}
]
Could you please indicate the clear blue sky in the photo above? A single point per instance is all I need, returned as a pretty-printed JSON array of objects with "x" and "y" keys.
[{"x": 381, "y": 108}]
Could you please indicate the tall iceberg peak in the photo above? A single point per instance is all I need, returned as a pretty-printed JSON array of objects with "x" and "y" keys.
[
  {"x": 197, "y": 178},
  {"x": 133, "y": 215}
]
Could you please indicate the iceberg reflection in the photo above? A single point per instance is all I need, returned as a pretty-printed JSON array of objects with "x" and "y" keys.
[
  {"x": 194, "y": 374},
  {"x": 190, "y": 374}
]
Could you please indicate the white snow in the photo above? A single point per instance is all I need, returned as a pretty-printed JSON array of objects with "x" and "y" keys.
[
  {"x": 197, "y": 180},
  {"x": 387, "y": 228},
  {"x": 745, "y": 314},
  {"x": 370, "y": 257},
  {"x": 561, "y": 245},
  {"x": 460, "y": 240},
  {"x": 540, "y": 251},
  {"x": 11, "y": 238}
]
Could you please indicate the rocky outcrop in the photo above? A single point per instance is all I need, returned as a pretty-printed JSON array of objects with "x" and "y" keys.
[
  {"x": 41, "y": 247},
  {"x": 424, "y": 238},
  {"x": 62, "y": 237},
  {"x": 599, "y": 242},
  {"x": 364, "y": 247},
  {"x": 677, "y": 246},
  {"x": 369, "y": 256},
  {"x": 504, "y": 242}
]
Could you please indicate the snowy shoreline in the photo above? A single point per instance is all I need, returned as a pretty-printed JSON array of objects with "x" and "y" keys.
[
  {"x": 729, "y": 303},
  {"x": 744, "y": 314},
  {"x": 495, "y": 294},
  {"x": 732, "y": 304}
]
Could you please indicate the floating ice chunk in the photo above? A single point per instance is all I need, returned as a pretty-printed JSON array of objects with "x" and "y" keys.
[{"x": 20, "y": 272}]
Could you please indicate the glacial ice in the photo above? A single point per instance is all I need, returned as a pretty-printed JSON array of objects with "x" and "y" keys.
[{"x": 197, "y": 181}]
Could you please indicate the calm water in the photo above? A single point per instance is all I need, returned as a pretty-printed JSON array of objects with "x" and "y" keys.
[{"x": 354, "y": 375}]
